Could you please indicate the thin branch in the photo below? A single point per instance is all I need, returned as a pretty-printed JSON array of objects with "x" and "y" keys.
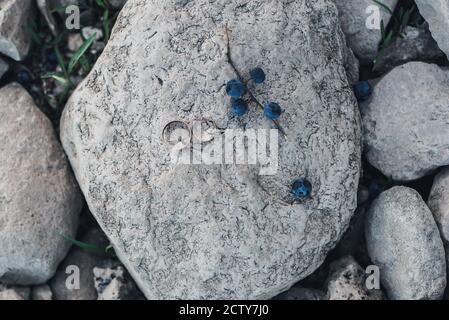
[{"x": 240, "y": 77}]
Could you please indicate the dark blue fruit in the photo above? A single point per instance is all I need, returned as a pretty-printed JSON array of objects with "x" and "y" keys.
[
  {"x": 235, "y": 88},
  {"x": 258, "y": 75},
  {"x": 239, "y": 107},
  {"x": 363, "y": 90},
  {"x": 23, "y": 77},
  {"x": 272, "y": 110},
  {"x": 301, "y": 188}
]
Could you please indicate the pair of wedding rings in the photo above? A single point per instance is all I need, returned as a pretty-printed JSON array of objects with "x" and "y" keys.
[{"x": 181, "y": 134}]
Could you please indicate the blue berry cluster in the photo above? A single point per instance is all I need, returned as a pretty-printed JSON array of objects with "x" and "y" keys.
[{"x": 239, "y": 107}]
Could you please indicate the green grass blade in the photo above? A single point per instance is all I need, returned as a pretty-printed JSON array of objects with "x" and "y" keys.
[
  {"x": 56, "y": 76},
  {"x": 80, "y": 52},
  {"x": 83, "y": 245},
  {"x": 384, "y": 6}
]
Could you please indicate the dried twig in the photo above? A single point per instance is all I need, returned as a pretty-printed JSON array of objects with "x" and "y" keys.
[{"x": 240, "y": 77}]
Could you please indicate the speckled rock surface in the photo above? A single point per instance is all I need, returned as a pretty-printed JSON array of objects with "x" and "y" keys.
[
  {"x": 439, "y": 202},
  {"x": 403, "y": 241},
  {"x": 222, "y": 231},
  {"x": 39, "y": 198},
  {"x": 14, "y": 292},
  {"x": 15, "y": 40},
  {"x": 436, "y": 13},
  {"x": 347, "y": 282},
  {"x": 405, "y": 124},
  {"x": 353, "y": 18}
]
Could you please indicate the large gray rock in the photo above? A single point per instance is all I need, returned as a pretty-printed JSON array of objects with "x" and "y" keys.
[
  {"x": 405, "y": 122},
  {"x": 14, "y": 36},
  {"x": 39, "y": 198},
  {"x": 436, "y": 13},
  {"x": 354, "y": 15},
  {"x": 347, "y": 281},
  {"x": 222, "y": 231},
  {"x": 439, "y": 203},
  {"x": 403, "y": 241}
]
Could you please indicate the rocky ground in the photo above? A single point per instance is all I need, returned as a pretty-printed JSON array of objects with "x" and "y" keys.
[{"x": 91, "y": 208}]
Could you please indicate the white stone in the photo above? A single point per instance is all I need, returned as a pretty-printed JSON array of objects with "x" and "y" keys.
[
  {"x": 39, "y": 198},
  {"x": 354, "y": 15},
  {"x": 436, "y": 13},
  {"x": 403, "y": 241},
  {"x": 405, "y": 124},
  {"x": 14, "y": 36}
]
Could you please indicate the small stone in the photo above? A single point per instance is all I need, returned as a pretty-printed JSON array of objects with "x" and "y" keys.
[
  {"x": 436, "y": 13},
  {"x": 42, "y": 292},
  {"x": 14, "y": 292},
  {"x": 347, "y": 281},
  {"x": 363, "y": 195},
  {"x": 88, "y": 32},
  {"x": 112, "y": 284},
  {"x": 14, "y": 37},
  {"x": 353, "y": 19},
  {"x": 74, "y": 41},
  {"x": 404, "y": 242}
]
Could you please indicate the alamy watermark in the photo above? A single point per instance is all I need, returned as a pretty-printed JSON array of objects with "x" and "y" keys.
[{"x": 201, "y": 142}]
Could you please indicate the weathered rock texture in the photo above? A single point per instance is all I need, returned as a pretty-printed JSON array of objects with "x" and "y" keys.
[
  {"x": 39, "y": 198},
  {"x": 347, "y": 281},
  {"x": 405, "y": 123},
  {"x": 14, "y": 36},
  {"x": 436, "y": 13},
  {"x": 403, "y": 241},
  {"x": 439, "y": 203},
  {"x": 216, "y": 231},
  {"x": 354, "y": 15}
]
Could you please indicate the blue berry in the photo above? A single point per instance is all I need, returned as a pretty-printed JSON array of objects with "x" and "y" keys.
[
  {"x": 235, "y": 88},
  {"x": 272, "y": 110},
  {"x": 239, "y": 107},
  {"x": 258, "y": 75},
  {"x": 363, "y": 90},
  {"x": 301, "y": 188},
  {"x": 23, "y": 77}
]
